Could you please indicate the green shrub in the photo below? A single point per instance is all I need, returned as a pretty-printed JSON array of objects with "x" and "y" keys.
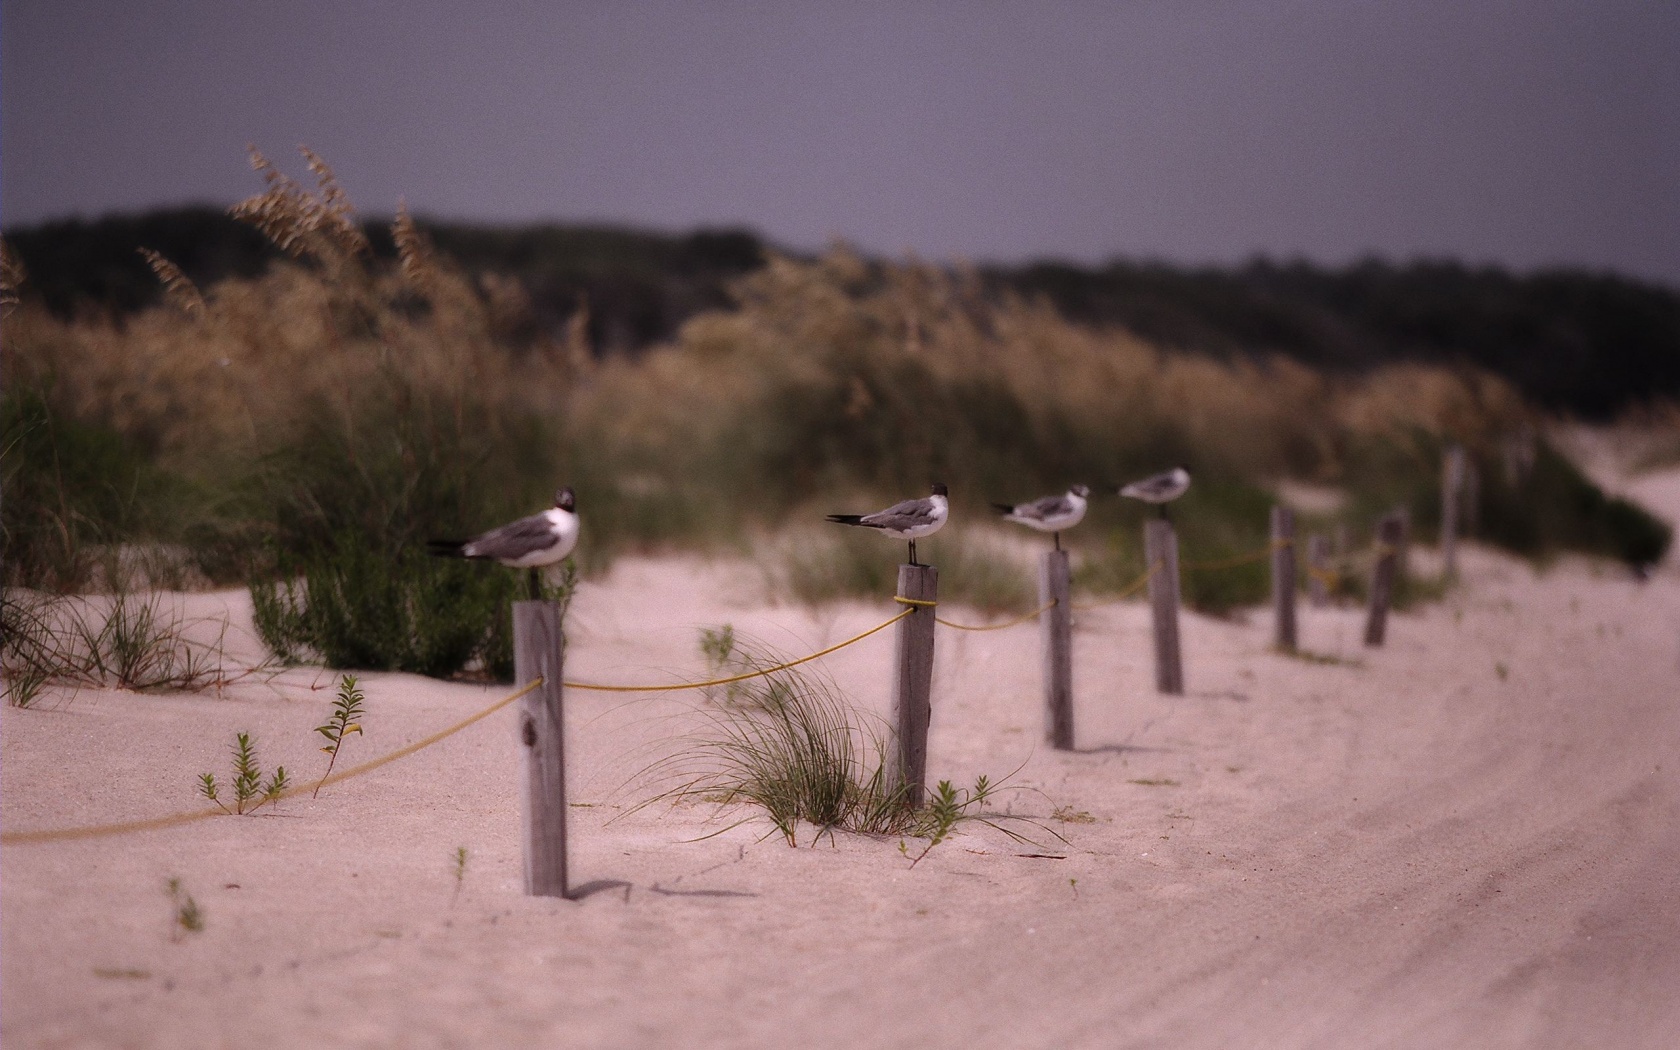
[
  {"x": 815, "y": 568},
  {"x": 1556, "y": 508},
  {"x": 359, "y": 608},
  {"x": 71, "y": 487}
]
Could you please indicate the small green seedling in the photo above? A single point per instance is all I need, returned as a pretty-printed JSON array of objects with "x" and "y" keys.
[
  {"x": 346, "y": 710},
  {"x": 723, "y": 659},
  {"x": 717, "y": 645},
  {"x": 945, "y": 809},
  {"x": 189, "y": 918},
  {"x": 249, "y": 790}
]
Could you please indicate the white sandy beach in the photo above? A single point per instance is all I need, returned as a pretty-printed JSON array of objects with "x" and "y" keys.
[{"x": 1408, "y": 848}]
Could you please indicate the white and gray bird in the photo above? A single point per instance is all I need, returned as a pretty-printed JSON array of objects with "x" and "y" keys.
[
  {"x": 1160, "y": 489},
  {"x": 529, "y": 543},
  {"x": 1051, "y": 513},
  {"x": 910, "y": 520}
]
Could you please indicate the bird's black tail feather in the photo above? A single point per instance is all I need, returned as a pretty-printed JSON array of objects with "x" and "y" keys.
[
  {"x": 846, "y": 519},
  {"x": 446, "y": 548},
  {"x": 1004, "y": 508}
]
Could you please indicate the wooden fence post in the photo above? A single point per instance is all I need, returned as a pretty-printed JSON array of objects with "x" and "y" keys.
[
  {"x": 1318, "y": 568},
  {"x": 1452, "y": 482},
  {"x": 1058, "y": 649},
  {"x": 539, "y": 652},
  {"x": 913, "y": 681},
  {"x": 1382, "y": 579},
  {"x": 1283, "y": 578},
  {"x": 1160, "y": 551}
]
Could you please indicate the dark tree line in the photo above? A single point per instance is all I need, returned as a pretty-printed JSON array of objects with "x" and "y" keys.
[{"x": 1593, "y": 344}]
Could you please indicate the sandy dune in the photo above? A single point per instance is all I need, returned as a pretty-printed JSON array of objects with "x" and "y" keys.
[{"x": 1470, "y": 838}]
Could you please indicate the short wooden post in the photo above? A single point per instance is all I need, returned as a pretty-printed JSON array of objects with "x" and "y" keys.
[
  {"x": 1058, "y": 649},
  {"x": 1452, "y": 482},
  {"x": 913, "y": 681},
  {"x": 1160, "y": 550},
  {"x": 1318, "y": 570},
  {"x": 1283, "y": 578},
  {"x": 539, "y": 652},
  {"x": 1382, "y": 579}
]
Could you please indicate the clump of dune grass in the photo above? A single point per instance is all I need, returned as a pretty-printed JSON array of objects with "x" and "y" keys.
[
  {"x": 136, "y": 641},
  {"x": 790, "y": 744}
]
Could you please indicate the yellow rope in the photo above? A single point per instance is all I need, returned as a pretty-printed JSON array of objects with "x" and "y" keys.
[
  {"x": 997, "y": 626},
  {"x": 1229, "y": 563},
  {"x": 750, "y": 674},
  {"x": 1330, "y": 577},
  {"x": 1130, "y": 589},
  {"x": 18, "y": 838},
  {"x": 919, "y": 603}
]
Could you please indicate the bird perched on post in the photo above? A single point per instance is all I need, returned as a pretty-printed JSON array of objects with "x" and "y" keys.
[
  {"x": 910, "y": 520},
  {"x": 529, "y": 543},
  {"x": 1050, "y": 514},
  {"x": 1160, "y": 489}
]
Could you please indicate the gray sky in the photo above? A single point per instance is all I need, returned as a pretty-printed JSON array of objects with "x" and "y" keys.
[{"x": 1526, "y": 134}]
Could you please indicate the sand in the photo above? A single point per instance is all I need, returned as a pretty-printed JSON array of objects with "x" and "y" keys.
[{"x": 1469, "y": 838}]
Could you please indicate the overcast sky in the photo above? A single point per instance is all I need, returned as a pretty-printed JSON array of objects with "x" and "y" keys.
[{"x": 1527, "y": 134}]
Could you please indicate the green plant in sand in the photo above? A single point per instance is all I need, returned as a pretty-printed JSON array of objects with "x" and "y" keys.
[
  {"x": 250, "y": 791},
  {"x": 347, "y": 709}
]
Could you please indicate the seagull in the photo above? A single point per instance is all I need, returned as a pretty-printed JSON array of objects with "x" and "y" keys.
[
  {"x": 1049, "y": 514},
  {"x": 905, "y": 521},
  {"x": 1160, "y": 489},
  {"x": 529, "y": 543}
]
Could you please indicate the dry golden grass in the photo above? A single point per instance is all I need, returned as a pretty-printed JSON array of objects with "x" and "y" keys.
[{"x": 831, "y": 378}]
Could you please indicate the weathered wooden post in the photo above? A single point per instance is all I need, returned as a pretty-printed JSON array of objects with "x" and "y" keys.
[
  {"x": 1382, "y": 579},
  {"x": 1452, "y": 481},
  {"x": 1318, "y": 569},
  {"x": 1283, "y": 578},
  {"x": 539, "y": 652},
  {"x": 913, "y": 681},
  {"x": 1160, "y": 551},
  {"x": 1058, "y": 649}
]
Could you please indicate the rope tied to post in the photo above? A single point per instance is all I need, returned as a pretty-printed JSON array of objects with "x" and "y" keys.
[
  {"x": 19, "y": 838},
  {"x": 1129, "y": 590},
  {"x": 761, "y": 672},
  {"x": 1239, "y": 560},
  {"x": 1047, "y": 606}
]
